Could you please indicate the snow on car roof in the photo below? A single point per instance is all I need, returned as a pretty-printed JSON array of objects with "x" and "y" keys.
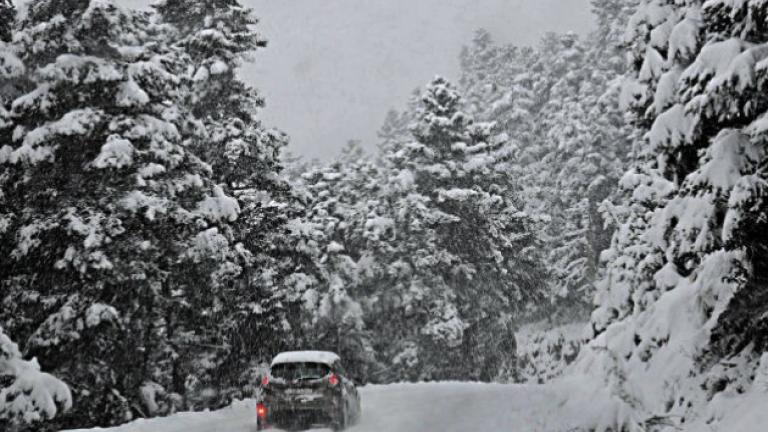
[{"x": 325, "y": 357}]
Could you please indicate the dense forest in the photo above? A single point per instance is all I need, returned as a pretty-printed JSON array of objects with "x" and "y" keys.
[{"x": 158, "y": 245}]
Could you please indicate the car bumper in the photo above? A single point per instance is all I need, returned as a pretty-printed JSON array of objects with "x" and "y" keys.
[
  {"x": 286, "y": 413},
  {"x": 300, "y": 417}
]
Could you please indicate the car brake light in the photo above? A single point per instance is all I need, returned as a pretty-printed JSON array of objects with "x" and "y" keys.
[
  {"x": 265, "y": 381},
  {"x": 261, "y": 410},
  {"x": 333, "y": 379}
]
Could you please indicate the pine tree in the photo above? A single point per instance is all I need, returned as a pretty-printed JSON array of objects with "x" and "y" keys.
[
  {"x": 563, "y": 137},
  {"x": 461, "y": 251},
  {"x": 12, "y": 71},
  {"x": 497, "y": 83},
  {"x": 341, "y": 194},
  {"x": 108, "y": 209},
  {"x": 588, "y": 144},
  {"x": 7, "y": 18},
  {"x": 686, "y": 270},
  {"x": 217, "y": 36},
  {"x": 394, "y": 132},
  {"x": 559, "y": 106},
  {"x": 611, "y": 17}
]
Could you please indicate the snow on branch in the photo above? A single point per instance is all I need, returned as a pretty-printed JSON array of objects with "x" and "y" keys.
[{"x": 32, "y": 395}]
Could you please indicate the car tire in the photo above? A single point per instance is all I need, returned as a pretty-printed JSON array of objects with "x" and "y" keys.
[{"x": 342, "y": 419}]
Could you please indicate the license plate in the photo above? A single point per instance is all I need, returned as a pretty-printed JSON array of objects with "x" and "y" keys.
[{"x": 298, "y": 391}]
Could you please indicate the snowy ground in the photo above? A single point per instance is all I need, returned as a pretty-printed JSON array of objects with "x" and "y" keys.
[
  {"x": 471, "y": 407},
  {"x": 439, "y": 407}
]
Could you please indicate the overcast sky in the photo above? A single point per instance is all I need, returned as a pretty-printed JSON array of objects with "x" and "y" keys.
[{"x": 334, "y": 68}]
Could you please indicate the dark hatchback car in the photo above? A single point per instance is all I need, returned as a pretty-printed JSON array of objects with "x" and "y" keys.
[{"x": 306, "y": 389}]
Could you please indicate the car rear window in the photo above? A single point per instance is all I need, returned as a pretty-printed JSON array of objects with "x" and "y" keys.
[{"x": 300, "y": 371}]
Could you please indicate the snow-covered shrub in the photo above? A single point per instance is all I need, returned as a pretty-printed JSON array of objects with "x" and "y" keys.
[
  {"x": 544, "y": 351},
  {"x": 27, "y": 395}
]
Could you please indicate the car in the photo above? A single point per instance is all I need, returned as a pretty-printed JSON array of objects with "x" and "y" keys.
[{"x": 307, "y": 389}]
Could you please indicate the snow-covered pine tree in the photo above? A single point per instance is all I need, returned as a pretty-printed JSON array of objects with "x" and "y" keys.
[
  {"x": 461, "y": 257},
  {"x": 608, "y": 41},
  {"x": 394, "y": 132},
  {"x": 342, "y": 192},
  {"x": 563, "y": 135},
  {"x": 497, "y": 84},
  {"x": 27, "y": 395},
  {"x": 559, "y": 104},
  {"x": 7, "y": 19},
  {"x": 686, "y": 273},
  {"x": 218, "y": 35},
  {"x": 11, "y": 69},
  {"x": 587, "y": 143},
  {"x": 105, "y": 207}
]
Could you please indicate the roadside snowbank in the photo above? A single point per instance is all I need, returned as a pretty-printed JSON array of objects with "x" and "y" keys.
[{"x": 238, "y": 417}]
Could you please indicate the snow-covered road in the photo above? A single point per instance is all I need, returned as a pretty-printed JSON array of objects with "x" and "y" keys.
[
  {"x": 424, "y": 407},
  {"x": 450, "y": 407}
]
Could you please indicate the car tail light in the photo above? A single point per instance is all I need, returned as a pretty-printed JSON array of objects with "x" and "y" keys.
[
  {"x": 261, "y": 410},
  {"x": 333, "y": 380},
  {"x": 265, "y": 381}
]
